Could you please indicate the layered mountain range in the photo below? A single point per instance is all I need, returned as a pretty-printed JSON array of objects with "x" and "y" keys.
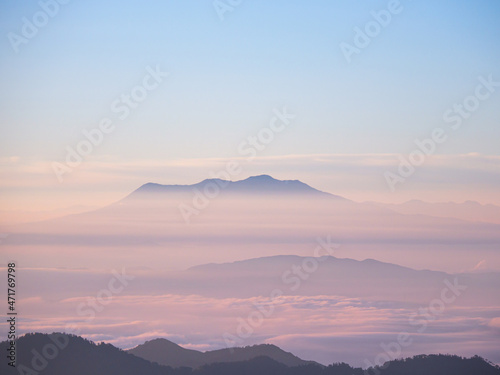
[
  {"x": 333, "y": 279},
  {"x": 60, "y": 354},
  {"x": 262, "y": 216}
]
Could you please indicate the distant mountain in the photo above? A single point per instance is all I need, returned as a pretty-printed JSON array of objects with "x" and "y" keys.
[
  {"x": 367, "y": 279},
  {"x": 61, "y": 354},
  {"x": 167, "y": 353},
  {"x": 255, "y": 185}
]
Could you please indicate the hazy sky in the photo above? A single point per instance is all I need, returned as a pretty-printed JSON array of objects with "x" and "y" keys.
[{"x": 226, "y": 76}]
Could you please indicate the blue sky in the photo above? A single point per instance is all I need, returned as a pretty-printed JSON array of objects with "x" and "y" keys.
[{"x": 226, "y": 77}]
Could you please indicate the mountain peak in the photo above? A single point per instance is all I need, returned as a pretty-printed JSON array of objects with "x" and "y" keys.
[
  {"x": 262, "y": 177},
  {"x": 161, "y": 341}
]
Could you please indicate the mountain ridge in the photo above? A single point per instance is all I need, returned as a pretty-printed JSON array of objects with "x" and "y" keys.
[
  {"x": 260, "y": 184},
  {"x": 168, "y": 353}
]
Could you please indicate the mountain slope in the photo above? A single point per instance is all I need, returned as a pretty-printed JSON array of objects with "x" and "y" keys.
[
  {"x": 163, "y": 351},
  {"x": 76, "y": 356}
]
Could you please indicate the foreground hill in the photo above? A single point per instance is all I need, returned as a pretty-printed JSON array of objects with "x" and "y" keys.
[
  {"x": 61, "y": 354},
  {"x": 76, "y": 356},
  {"x": 168, "y": 353}
]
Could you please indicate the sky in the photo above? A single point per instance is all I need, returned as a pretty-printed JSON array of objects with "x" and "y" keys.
[{"x": 228, "y": 71}]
